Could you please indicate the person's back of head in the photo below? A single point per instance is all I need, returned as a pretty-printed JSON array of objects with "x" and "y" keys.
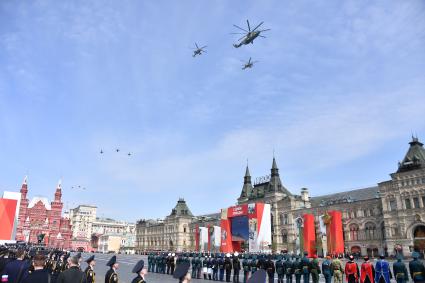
[
  {"x": 39, "y": 261},
  {"x": 74, "y": 261}
]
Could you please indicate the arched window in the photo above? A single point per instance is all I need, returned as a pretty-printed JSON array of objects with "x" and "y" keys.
[
  {"x": 284, "y": 236},
  {"x": 284, "y": 219},
  {"x": 370, "y": 231},
  {"x": 354, "y": 232},
  {"x": 394, "y": 230}
]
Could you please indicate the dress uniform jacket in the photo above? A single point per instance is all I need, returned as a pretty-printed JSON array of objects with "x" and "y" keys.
[
  {"x": 138, "y": 279},
  {"x": 417, "y": 270},
  {"x": 90, "y": 274},
  {"x": 111, "y": 276}
]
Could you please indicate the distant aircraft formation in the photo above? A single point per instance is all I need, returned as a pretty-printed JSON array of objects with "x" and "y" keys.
[
  {"x": 117, "y": 150},
  {"x": 248, "y": 38}
]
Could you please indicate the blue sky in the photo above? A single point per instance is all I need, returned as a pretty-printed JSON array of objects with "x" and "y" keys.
[{"x": 337, "y": 92}]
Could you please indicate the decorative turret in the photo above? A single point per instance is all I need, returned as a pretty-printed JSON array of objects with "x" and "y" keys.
[
  {"x": 24, "y": 188},
  {"x": 304, "y": 194},
  {"x": 247, "y": 177},
  {"x": 58, "y": 193},
  {"x": 414, "y": 158}
]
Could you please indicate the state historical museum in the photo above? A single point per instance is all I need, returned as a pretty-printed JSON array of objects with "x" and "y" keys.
[{"x": 39, "y": 217}]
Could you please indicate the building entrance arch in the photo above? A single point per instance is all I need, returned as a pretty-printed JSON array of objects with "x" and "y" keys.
[{"x": 419, "y": 239}]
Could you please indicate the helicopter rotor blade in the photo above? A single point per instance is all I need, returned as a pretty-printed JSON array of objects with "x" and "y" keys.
[
  {"x": 262, "y": 36},
  {"x": 203, "y": 47},
  {"x": 249, "y": 27},
  {"x": 258, "y": 26},
  {"x": 240, "y": 28},
  {"x": 237, "y": 33},
  {"x": 264, "y": 30},
  {"x": 249, "y": 61},
  {"x": 196, "y": 45}
]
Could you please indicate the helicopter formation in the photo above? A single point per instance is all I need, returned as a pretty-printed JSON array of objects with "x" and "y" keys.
[
  {"x": 117, "y": 150},
  {"x": 248, "y": 38}
]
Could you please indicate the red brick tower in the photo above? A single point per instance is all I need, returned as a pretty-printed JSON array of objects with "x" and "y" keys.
[{"x": 22, "y": 211}]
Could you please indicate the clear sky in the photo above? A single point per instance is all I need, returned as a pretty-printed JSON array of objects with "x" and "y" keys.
[{"x": 337, "y": 92}]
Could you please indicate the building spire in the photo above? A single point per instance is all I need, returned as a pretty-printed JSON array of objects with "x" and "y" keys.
[
  {"x": 275, "y": 170},
  {"x": 25, "y": 180}
]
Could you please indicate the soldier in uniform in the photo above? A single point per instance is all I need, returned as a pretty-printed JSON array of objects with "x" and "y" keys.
[
  {"x": 315, "y": 269},
  {"x": 337, "y": 270},
  {"x": 279, "y": 269},
  {"x": 236, "y": 267},
  {"x": 228, "y": 267},
  {"x": 215, "y": 267},
  {"x": 221, "y": 267},
  {"x": 90, "y": 270},
  {"x": 150, "y": 262},
  {"x": 270, "y": 268},
  {"x": 172, "y": 263},
  {"x": 417, "y": 269},
  {"x": 246, "y": 266},
  {"x": 194, "y": 267},
  {"x": 112, "y": 276},
  {"x": 140, "y": 271},
  {"x": 289, "y": 267},
  {"x": 352, "y": 270},
  {"x": 168, "y": 261},
  {"x": 400, "y": 271},
  {"x": 305, "y": 263},
  {"x": 298, "y": 268},
  {"x": 253, "y": 264},
  {"x": 382, "y": 271},
  {"x": 327, "y": 269},
  {"x": 182, "y": 272}
]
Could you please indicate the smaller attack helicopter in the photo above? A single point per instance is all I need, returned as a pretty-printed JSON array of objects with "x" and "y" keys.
[
  {"x": 198, "y": 50},
  {"x": 249, "y": 64},
  {"x": 249, "y": 35}
]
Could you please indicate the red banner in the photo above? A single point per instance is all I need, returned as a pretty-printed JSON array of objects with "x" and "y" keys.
[
  {"x": 335, "y": 238},
  {"x": 7, "y": 217},
  {"x": 309, "y": 232},
  {"x": 237, "y": 210}
]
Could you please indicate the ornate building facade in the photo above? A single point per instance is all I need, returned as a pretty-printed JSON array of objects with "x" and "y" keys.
[
  {"x": 171, "y": 233},
  {"x": 39, "y": 217},
  {"x": 387, "y": 218}
]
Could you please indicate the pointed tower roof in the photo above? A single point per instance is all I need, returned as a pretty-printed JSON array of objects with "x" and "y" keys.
[
  {"x": 414, "y": 158},
  {"x": 181, "y": 209},
  {"x": 274, "y": 170},
  {"x": 25, "y": 182},
  {"x": 247, "y": 174}
]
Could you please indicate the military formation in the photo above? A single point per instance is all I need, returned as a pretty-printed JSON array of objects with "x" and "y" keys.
[
  {"x": 288, "y": 268},
  {"x": 30, "y": 264}
]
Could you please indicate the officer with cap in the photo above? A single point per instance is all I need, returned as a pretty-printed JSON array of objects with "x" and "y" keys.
[
  {"x": 182, "y": 272},
  {"x": 289, "y": 267},
  {"x": 246, "y": 266},
  {"x": 221, "y": 267},
  {"x": 140, "y": 271},
  {"x": 327, "y": 269},
  {"x": 236, "y": 267},
  {"x": 305, "y": 263},
  {"x": 270, "y": 268},
  {"x": 417, "y": 269},
  {"x": 400, "y": 270},
  {"x": 228, "y": 267},
  {"x": 90, "y": 270},
  {"x": 112, "y": 276},
  {"x": 337, "y": 270}
]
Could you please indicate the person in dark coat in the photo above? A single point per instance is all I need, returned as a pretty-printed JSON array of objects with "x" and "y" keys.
[
  {"x": 305, "y": 263},
  {"x": 279, "y": 269},
  {"x": 111, "y": 276},
  {"x": 228, "y": 267},
  {"x": 140, "y": 271},
  {"x": 416, "y": 269},
  {"x": 400, "y": 271},
  {"x": 270, "y": 268},
  {"x": 89, "y": 271},
  {"x": 73, "y": 274},
  {"x": 182, "y": 273},
  {"x": 39, "y": 275},
  {"x": 236, "y": 267},
  {"x": 17, "y": 270}
]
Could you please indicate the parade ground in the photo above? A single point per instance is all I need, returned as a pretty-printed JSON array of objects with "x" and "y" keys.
[{"x": 127, "y": 263}]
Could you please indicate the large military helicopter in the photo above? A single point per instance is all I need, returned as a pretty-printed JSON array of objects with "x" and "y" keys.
[
  {"x": 249, "y": 64},
  {"x": 249, "y": 34},
  {"x": 198, "y": 50}
]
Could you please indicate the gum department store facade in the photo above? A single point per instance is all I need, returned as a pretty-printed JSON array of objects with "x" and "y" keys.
[{"x": 386, "y": 218}]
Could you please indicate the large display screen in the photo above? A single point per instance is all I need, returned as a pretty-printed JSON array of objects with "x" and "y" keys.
[{"x": 240, "y": 228}]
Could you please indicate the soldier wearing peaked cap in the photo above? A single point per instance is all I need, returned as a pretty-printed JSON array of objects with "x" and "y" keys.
[
  {"x": 90, "y": 270},
  {"x": 141, "y": 272},
  {"x": 182, "y": 272},
  {"x": 258, "y": 277},
  {"x": 112, "y": 276},
  {"x": 416, "y": 269},
  {"x": 400, "y": 270}
]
